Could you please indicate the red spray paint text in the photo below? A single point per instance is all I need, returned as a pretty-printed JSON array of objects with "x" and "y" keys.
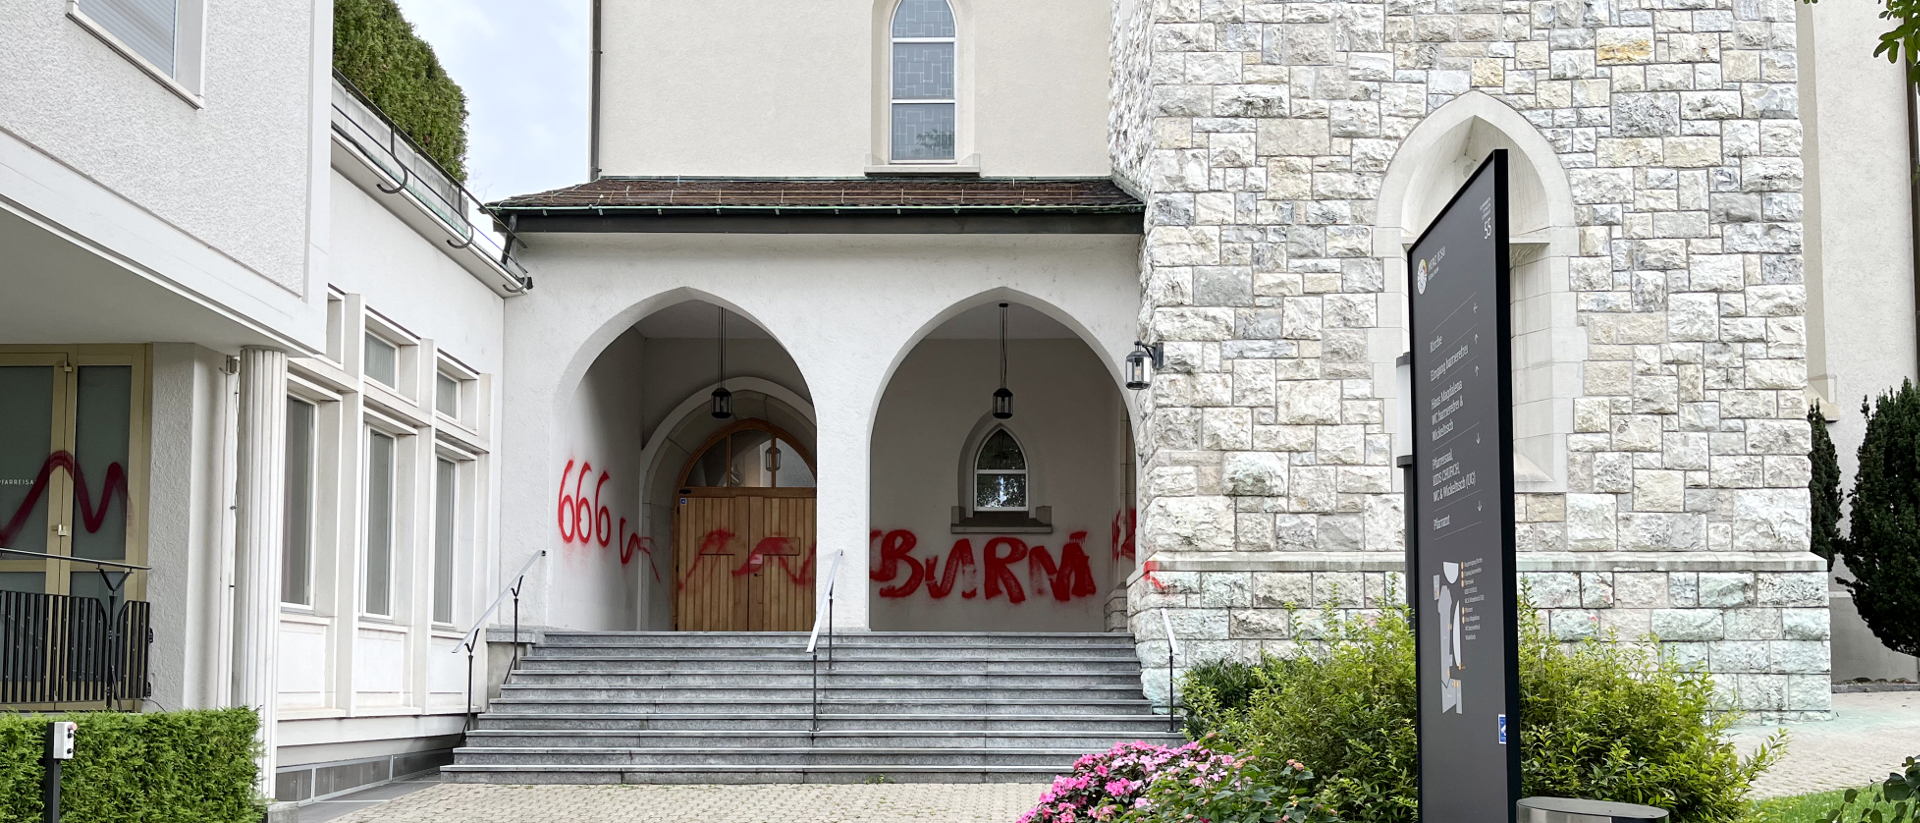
[
  {"x": 1070, "y": 578},
  {"x": 587, "y": 522}
]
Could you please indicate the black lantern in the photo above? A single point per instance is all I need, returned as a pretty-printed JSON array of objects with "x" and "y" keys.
[
  {"x": 723, "y": 399},
  {"x": 1003, "y": 399},
  {"x": 1138, "y": 376}
]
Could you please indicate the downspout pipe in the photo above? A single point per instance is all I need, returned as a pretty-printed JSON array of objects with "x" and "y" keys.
[{"x": 593, "y": 104}]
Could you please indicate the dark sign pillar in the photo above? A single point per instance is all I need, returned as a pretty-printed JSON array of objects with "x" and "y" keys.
[{"x": 1461, "y": 507}]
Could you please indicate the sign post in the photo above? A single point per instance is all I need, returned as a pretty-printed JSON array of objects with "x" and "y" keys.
[{"x": 1461, "y": 507}]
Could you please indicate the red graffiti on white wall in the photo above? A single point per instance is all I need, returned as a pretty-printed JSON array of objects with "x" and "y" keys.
[
  {"x": 1071, "y": 577},
  {"x": 91, "y": 517},
  {"x": 588, "y": 523},
  {"x": 1123, "y": 523}
]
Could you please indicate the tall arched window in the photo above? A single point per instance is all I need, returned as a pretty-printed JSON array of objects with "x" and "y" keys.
[
  {"x": 922, "y": 127},
  {"x": 1000, "y": 474}
]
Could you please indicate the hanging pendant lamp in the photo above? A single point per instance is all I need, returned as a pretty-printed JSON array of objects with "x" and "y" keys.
[
  {"x": 1003, "y": 399},
  {"x": 723, "y": 399}
]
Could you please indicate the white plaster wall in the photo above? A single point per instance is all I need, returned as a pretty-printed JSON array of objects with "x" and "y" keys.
[
  {"x": 1861, "y": 334},
  {"x": 187, "y": 522},
  {"x": 772, "y": 88},
  {"x": 603, "y": 431},
  {"x": 236, "y": 174},
  {"x": 1068, "y": 417},
  {"x": 678, "y": 368},
  {"x": 411, "y": 280},
  {"x": 846, "y": 308}
]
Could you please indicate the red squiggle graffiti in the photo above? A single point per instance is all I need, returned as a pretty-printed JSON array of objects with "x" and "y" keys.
[
  {"x": 1070, "y": 577},
  {"x": 776, "y": 546},
  {"x": 587, "y": 522},
  {"x": 91, "y": 517}
]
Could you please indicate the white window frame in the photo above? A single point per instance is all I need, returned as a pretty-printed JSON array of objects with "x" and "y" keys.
[
  {"x": 315, "y": 438},
  {"x": 189, "y": 49},
  {"x": 893, "y": 101},
  {"x": 397, "y": 547},
  {"x": 973, "y": 489},
  {"x": 467, "y": 416}
]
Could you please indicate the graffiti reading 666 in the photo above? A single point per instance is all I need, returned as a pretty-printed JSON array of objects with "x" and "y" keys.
[{"x": 586, "y": 521}]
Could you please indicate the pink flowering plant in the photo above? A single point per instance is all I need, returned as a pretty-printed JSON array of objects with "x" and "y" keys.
[
  {"x": 1146, "y": 783},
  {"x": 1105, "y": 785}
]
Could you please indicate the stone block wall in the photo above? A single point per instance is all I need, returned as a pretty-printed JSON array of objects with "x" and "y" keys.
[{"x": 1267, "y": 138}]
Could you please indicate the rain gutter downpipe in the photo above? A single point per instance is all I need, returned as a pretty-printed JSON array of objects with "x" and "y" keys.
[{"x": 593, "y": 105}]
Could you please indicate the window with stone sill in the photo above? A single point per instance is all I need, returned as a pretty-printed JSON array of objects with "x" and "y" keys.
[
  {"x": 922, "y": 48},
  {"x": 1000, "y": 474}
]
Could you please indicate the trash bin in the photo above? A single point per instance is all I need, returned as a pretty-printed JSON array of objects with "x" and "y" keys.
[{"x": 1571, "y": 810}]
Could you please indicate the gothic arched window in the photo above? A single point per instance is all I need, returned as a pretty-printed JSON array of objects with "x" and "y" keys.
[
  {"x": 1000, "y": 474},
  {"x": 922, "y": 87}
]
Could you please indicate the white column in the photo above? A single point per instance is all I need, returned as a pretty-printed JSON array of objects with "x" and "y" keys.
[
  {"x": 259, "y": 507},
  {"x": 842, "y": 453}
]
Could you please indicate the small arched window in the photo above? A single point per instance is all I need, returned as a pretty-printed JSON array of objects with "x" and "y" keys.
[
  {"x": 1000, "y": 474},
  {"x": 922, "y": 89}
]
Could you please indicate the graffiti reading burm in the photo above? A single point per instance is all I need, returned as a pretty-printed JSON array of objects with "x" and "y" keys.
[
  {"x": 587, "y": 522},
  {"x": 91, "y": 517},
  {"x": 1070, "y": 577}
]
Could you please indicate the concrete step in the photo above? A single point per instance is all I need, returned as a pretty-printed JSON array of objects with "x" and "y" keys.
[
  {"x": 858, "y": 738},
  {"x": 839, "y": 680},
  {"x": 870, "y": 757},
  {"x": 1118, "y": 725},
  {"x": 831, "y": 704},
  {"x": 671, "y": 662},
  {"x": 736, "y": 775},
  {"x": 837, "y": 657},
  {"x": 593, "y": 694},
  {"x": 798, "y": 640}
]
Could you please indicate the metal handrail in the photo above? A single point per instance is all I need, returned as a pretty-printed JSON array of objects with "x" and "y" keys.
[
  {"x": 454, "y": 213},
  {"x": 472, "y": 637},
  {"x": 1173, "y": 647},
  {"x": 113, "y": 601},
  {"x": 813, "y": 640}
]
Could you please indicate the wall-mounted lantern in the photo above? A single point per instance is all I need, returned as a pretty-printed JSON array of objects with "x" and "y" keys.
[
  {"x": 1003, "y": 399},
  {"x": 1138, "y": 374}
]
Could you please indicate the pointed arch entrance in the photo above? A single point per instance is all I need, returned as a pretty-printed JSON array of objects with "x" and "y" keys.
[{"x": 743, "y": 532}]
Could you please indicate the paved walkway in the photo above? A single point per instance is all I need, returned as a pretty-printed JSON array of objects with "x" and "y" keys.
[
  {"x": 886, "y": 803},
  {"x": 1871, "y": 734}
]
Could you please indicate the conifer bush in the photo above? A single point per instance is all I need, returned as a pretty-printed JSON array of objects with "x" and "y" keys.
[
  {"x": 1824, "y": 488},
  {"x": 1883, "y": 547},
  {"x": 376, "y": 48},
  {"x": 149, "y": 767},
  {"x": 1598, "y": 719}
]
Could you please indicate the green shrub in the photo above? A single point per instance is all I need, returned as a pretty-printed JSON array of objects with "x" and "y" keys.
[
  {"x": 1598, "y": 720},
  {"x": 1217, "y": 682},
  {"x": 155, "y": 767},
  {"x": 1824, "y": 489},
  {"x": 1883, "y": 550},
  {"x": 375, "y": 47}
]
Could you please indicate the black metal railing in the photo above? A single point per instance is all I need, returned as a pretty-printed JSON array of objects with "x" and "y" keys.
[
  {"x": 472, "y": 639},
  {"x": 57, "y": 648},
  {"x": 361, "y": 123},
  {"x": 823, "y": 618}
]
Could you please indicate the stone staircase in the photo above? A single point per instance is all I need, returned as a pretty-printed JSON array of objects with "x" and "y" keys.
[{"x": 682, "y": 707}]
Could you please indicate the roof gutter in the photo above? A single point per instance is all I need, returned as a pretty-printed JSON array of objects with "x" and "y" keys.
[{"x": 593, "y": 104}]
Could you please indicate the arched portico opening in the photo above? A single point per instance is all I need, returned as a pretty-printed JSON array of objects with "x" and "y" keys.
[
  {"x": 641, "y": 413},
  {"x": 981, "y": 522},
  {"x": 1549, "y": 344}
]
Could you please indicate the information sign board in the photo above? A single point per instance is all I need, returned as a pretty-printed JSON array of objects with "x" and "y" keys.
[{"x": 1461, "y": 507}]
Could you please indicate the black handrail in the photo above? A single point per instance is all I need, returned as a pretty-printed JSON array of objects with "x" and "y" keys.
[
  {"x": 813, "y": 640},
  {"x": 472, "y": 638}
]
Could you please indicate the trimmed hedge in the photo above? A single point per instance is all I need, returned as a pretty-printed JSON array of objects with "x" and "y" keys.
[
  {"x": 153, "y": 767},
  {"x": 375, "y": 47}
]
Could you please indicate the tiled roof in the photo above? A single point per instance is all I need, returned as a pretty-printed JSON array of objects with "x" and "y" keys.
[{"x": 760, "y": 195}]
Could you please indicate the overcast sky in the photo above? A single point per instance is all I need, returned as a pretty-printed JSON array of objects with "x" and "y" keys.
[{"x": 523, "y": 64}]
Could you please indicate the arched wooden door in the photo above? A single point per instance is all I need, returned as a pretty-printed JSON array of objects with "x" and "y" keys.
[{"x": 743, "y": 527}]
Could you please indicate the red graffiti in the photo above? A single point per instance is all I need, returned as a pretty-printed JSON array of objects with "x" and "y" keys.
[
  {"x": 1123, "y": 525},
  {"x": 714, "y": 544},
  {"x": 91, "y": 517},
  {"x": 588, "y": 522},
  {"x": 1147, "y": 569},
  {"x": 1070, "y": 577}
]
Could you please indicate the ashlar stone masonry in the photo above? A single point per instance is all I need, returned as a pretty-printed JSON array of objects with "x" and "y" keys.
[{"x": 1265, "y": 136}]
